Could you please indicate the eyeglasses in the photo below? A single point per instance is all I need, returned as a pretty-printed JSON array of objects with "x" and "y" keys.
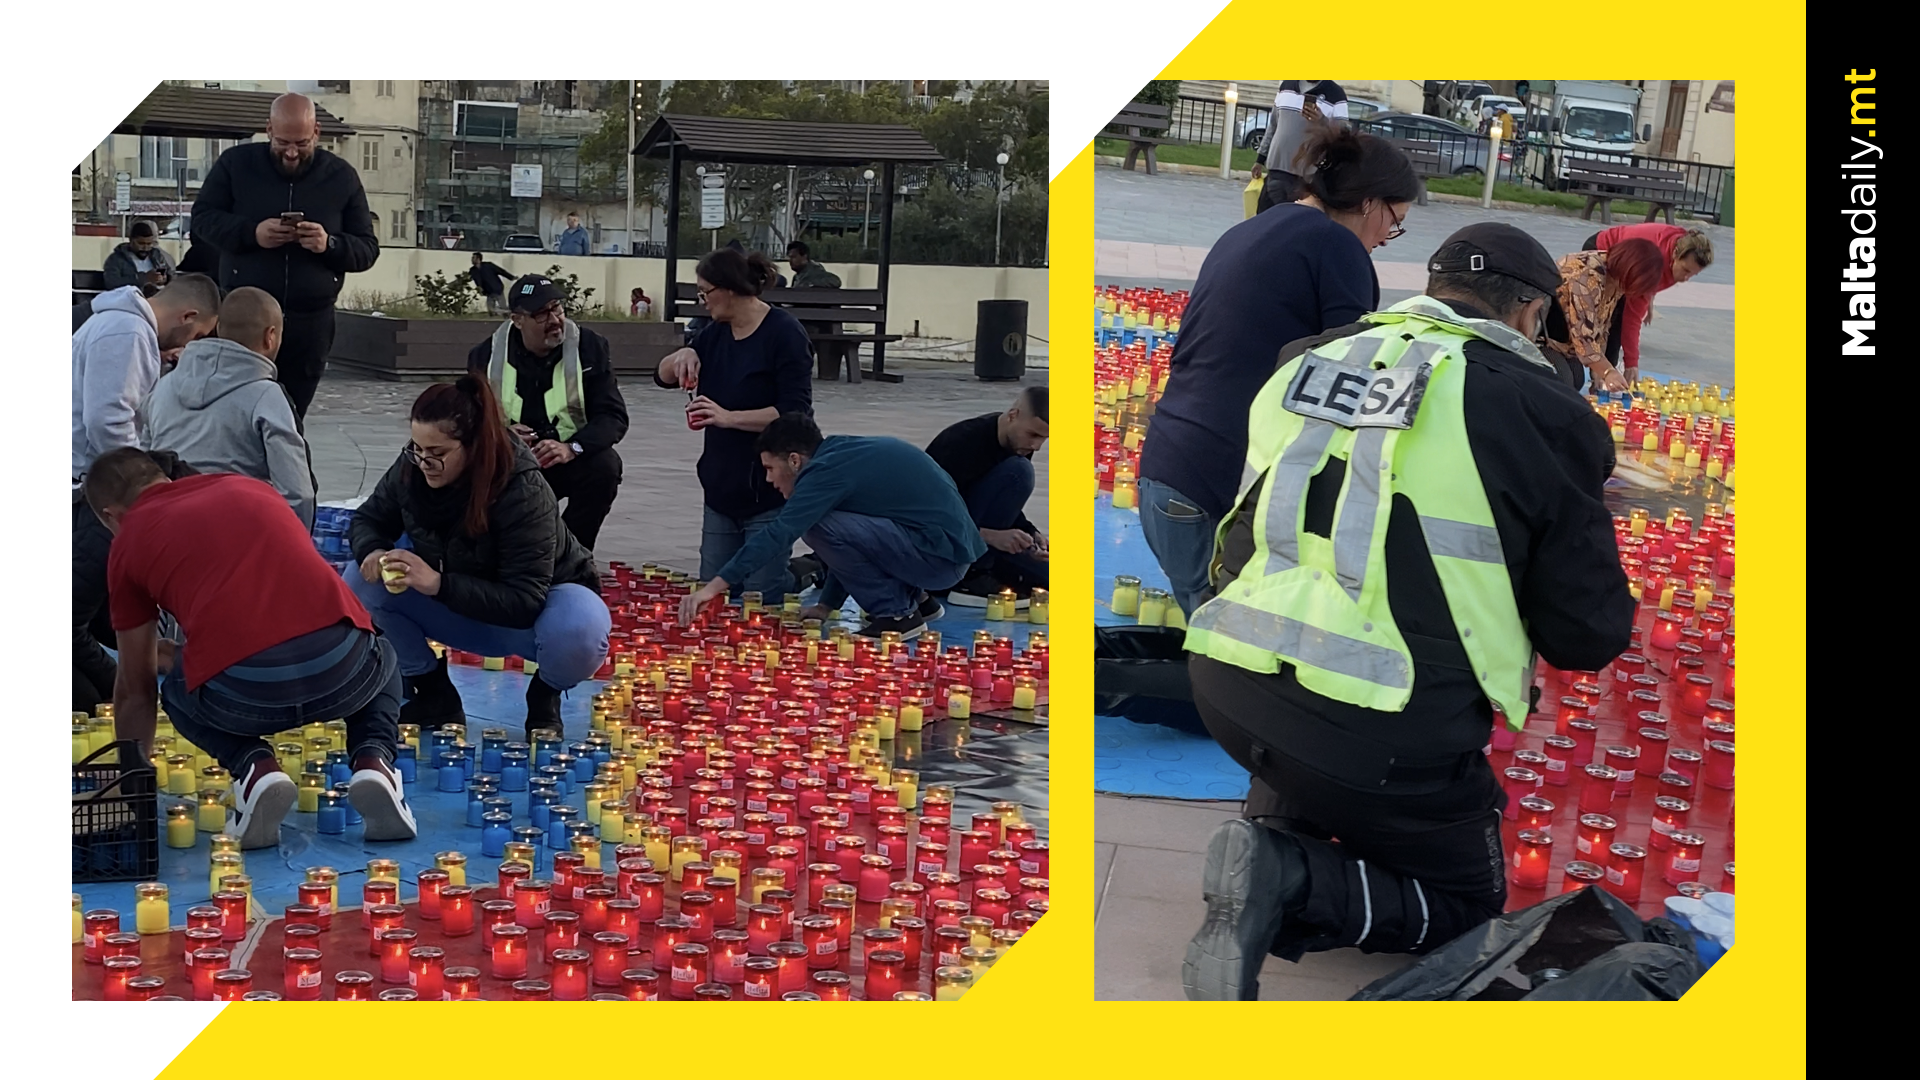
[
  {"x": 551, "y": 313},
  {"x": 706, "y": 292},
  {"x": 424, "y": 461},
  {"x": 1398, "y": 230}
]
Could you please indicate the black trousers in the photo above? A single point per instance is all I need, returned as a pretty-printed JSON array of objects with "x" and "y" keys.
[
  {"x": 305, "y": 341},
  {"x": 1402, "y": 864},
  {"x": 93, "y": 668},
  {"x": 1279, "y": 187},
  {"x": 588, "y": 483},
  {"x": 1619, "y": 312}
]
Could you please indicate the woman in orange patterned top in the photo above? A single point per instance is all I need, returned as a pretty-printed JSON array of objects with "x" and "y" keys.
[{"x": 1592, "y": 285}]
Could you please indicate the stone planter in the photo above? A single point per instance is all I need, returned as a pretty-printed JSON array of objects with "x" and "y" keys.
[{"x": 426, "y": 349}]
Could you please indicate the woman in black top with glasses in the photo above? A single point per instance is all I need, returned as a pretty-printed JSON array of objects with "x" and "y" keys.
[{"x": 461, "y": 543}]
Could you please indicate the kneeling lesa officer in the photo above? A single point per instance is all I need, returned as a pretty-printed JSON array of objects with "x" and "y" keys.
[{"x": 1419, "y": 516}]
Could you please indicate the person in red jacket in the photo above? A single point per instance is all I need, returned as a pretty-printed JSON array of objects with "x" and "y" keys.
[
  {"x": 1687, "y": 252},
  {"x": 274, "y": 638}
]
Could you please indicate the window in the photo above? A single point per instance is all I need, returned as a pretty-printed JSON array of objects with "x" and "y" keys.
[
  {"x": 486, "y": 120},
  {"x": 370, "y": 155},
  {"x": 335, "y": 86},
  {"x": 383, "y": 88},
  {"x": 156, "y": 157},
  {"x": 399, "y": 225}
]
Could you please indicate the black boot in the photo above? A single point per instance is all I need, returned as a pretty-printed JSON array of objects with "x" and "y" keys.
[
  {"x": 543, "y": 707},
  {"x": 1254, "y": 878},
  {"x": 432, "y": 700}
]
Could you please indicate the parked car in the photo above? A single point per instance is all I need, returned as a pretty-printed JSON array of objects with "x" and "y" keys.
[
  {"x": 522, "y": 243},
  {"x": 1463, "y": 151},
  {"x": 1254, "y": 128}
]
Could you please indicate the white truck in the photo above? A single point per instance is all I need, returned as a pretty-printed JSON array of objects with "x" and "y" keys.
[{"x": 1571, "y": 119}]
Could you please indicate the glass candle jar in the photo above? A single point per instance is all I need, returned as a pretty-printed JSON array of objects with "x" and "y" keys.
[
  {"x": 222, "y": 864},
  {"x": 1536, "y": 813},
  {"x": 456, "y": 910},
  {"x": 426, "y": 971},
  {"x": 532, "y": 898},
  {"x": 509, "y": 953},
  {"x": 1579, "y": 874},
  {"x": 181, "y": 830},
  {"x": 1625, "y": 870},
  {"x": 1593, "y": 835},
  {"x": 1718, "y": 770},
  {"x": 1669, "y": 817},
  {"x": 232, "y": 984},
  {"x": 461, "y": 983},
  {"x": 951, "y": 983},
  {"x": 353, "y": 986},
  {"x": 382, "y": 920},
  {"x": 1622, "y": 760},
  {"x": 1596, "y": 792},
  {"x": 689, "y": 964},
  {"x": 1519, "y": 782},
  {"x": 395, "y": 947},
  {"x": 569, "y": 974},
  {"x": 1683, "y": 860},
  {"x": 118, "y": 971},
  {"x": 377, "y": 893},
  {"x": 151, "y": 914},
  {"x": 1532, "y": 855},
  {"x": 233, "y": 915}
]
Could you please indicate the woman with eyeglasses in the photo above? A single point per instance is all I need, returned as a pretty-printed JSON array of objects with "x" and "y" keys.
[
  {"x": 1593, "y": 286},
  {"x": 1296, "y": 270},
  {"x": 461, "y": 543},
  {"x": 752, "y": 364}
]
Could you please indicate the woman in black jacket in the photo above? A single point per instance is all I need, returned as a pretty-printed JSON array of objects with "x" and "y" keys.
[{"x": 461, "y": 542}]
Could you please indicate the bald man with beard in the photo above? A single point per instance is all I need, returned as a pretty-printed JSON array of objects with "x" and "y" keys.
[{"x": 290, "y": 219}]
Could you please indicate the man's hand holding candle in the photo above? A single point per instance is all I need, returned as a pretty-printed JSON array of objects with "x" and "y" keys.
[
  {"x": 691, "y": 604},
  {"x": 414, "y": 572}
]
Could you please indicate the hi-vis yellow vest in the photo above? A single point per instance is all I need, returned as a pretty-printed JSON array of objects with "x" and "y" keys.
[
  {"x": 1388, "y": 401},
  {"x": 565, "y": 399}
]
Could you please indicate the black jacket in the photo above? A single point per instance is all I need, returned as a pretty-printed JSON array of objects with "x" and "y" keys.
[
  {"x": 490, "y": 279},
  {"x": 245, "y": 187},
  {"x": 500, "y": 577},
  {"x": 606, "y": 409},
  {"x": 121, "y": 272},
  {"x": 1544, "y": 457}
]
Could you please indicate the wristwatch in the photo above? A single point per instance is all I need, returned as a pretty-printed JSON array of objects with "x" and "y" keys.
[
  {"x": 576, "y": 448},
  {"x": 333, "y": 242}
]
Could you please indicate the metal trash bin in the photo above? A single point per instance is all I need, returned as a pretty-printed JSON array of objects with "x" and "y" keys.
[{"x": 1000, "y": 340}]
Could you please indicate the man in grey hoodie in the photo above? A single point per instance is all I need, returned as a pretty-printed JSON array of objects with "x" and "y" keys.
[
  {"x": 116, "y": 358},
  {"x": 223, "y": 411}
]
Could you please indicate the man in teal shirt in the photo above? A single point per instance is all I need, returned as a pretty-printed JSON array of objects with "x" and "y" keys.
[{"x": 882, "y": 516}]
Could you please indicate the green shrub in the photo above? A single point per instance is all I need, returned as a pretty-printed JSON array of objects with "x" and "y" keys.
[
  {"x": 577, "y": 301},
  {"x": 446, "y": 296}
]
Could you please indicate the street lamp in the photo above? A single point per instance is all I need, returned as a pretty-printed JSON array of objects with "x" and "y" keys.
[
  {"x": 1226, "y": 130},
  {"x": 999, "y": 200},
  {"x": 866, "y": 213}
]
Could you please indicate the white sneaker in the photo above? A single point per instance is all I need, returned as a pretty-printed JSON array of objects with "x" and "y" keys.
[
  {"x": 376, "y": 795},
  {"x": 259, "y": 809}
]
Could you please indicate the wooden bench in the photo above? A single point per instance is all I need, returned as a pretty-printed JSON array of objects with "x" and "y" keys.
[
  {"x": 1427, "y": 159},
  {"x": 88, "y": 284},
  {"x": 1604, "y": 182},
  {"x": 1144, "y": 126},
  {"x": 821, "y": 312}
]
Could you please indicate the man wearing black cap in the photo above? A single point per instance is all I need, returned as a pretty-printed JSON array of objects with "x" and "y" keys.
[
  {"x": 1420, "y": 518},
  {"x": 555, "y": 381}
]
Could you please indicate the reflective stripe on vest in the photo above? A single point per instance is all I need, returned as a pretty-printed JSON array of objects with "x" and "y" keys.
[
  {"x": 1320, "y": 602},
  {"x": 565, "y": 400}
]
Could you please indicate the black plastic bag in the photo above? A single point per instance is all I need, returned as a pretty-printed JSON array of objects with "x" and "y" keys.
[
  {"x": 1580, "y": 946},
  {"x": 1140, "y": 673}
]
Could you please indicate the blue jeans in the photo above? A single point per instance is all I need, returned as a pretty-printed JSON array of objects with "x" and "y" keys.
[
  {"x": 875, "y": 560},
  {"x": 995, "y": 501},
  {"x": 235, "y": 731},
  {"x": 1181, "y": 536},
  {"x": 568, "y": 639},
  {"x": 722, "y": 537}
]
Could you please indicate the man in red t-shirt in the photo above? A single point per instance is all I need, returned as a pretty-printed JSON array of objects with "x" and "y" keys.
[{"x": 274, "y": 638}]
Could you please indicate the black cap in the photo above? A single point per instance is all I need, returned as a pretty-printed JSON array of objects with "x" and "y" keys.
[
  {"x": 531, "y": 294},
  {"x": 1498, "y": 248}
]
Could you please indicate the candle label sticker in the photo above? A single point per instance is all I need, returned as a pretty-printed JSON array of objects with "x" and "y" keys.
[
  {"x": 1556, "y": 765},
  {"x": 685, "y": 974},
  {"x": 1616, "y": 876},
  {"x": 1585, "y": 847},
  {"x": 931, "y": 867},
  {"x": 306, "y": 979},
  {"x": 756, "y": 838},
  {"x": 758, "y": 990},
  {"x": 827, "y": 947},
  {"x": 951, "y": 959},
  {"x": 1029, "y": 867},
  {"x": 1685, "y": 866},
  {"x": 1663, "y": 827}
]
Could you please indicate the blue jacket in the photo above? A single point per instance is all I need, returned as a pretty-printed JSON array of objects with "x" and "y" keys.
[
  {"x": 573, "y": 241},
  {"x": 873, "y": 475}
]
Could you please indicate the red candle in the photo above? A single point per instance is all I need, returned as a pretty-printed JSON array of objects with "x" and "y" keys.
[
  {"x": 1627, "y": 665},
  {"x": 995, "y": 904},
  {"x": 609, "y": 957},
  {"x": 792, "y": 956},
  {"x": 820, "y": 935},
  {"x": 233, "y": 915},
  {"x": 509, "y": 957},
  {"x": 1666, "y": 632},
  {"x": 320, "y": 898},
  {"x": 426, "y": 971},
  {"x": 382, "y": 919},
  {"x": 1532, "y": 854},
  {"x": 1584, "y": 734},
  {"x": 569, "y": 974},
  {"x": 1596, "y": 793},
  {"x": 395, "y": 961},
  {"x": 1719, "y": 711},
  {"x": 623, "y": 916},
  {"x": 593, "y": 908},
  {"x": 532, "y": 897},
  {"x": 120, "y": 945},
  {"x": 761, "y": 978},
  {"x": 352, "y": 986},
  {"x": 230, "y": 984},
  {"x": 562, "y": 931},
  {"x": 1579, "y": 874},
  {"x": 431, "y": 882},
  {"x": 511, "y": 875},
  {"x": 1669, "y": 817},
  {"x": 1559, "y": 750},
  {"x": 1683, "y": 863},
  {"x": 1718, "y": 772},
  {"x": 831, "y": 985},
  {"x": 1593, "y": 835},
  {"x": 1535, "y": 813},
  {"x": 874, "y": 877},
  {"x": 461, "y": 983},
  {"x": 456, "y": 910},
  {"x": 1726, "y": 878},
  {"x": 650, "y": 891},
  {"x": 943, "y": 887},
  {"x": 1625, "y": 870},
  {"x": 303, "y": 975},
  {"x": 379, "y": 892},
  {"x": 1684, "y": 763},
  {"x": 532, "y": 990},
  {"x": 728, "y": 956},
  {"x": 204, "y": 963},
  {"x": 947, "y": 943},
  {"x": 698, "y": 907},
  {"x": 146, "y": 988},
  {"x": 690, "y": 964},
  {"x": 913, "y": 934},
  {"x": 119, "y": 969},
  {"x": 1622, "y": 759},
  {"x": 640, "y": 984},
  {"x": 1653, "y": 744},
  {"x": 726, "y": 901}
]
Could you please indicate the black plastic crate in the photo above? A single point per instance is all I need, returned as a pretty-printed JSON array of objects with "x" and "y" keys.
[{"x": 116, "y": 816}]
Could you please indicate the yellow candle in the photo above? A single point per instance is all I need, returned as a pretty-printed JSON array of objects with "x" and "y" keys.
[
  {"x": 996, "y": 609},
  {"x": 912, "y": 714},
  {"x": 1650, "y": 441},
  {"x": 83, "y": 745},
  {"x": 1677, "y": 449},
  {"x": 907, "y": 782},
  {"x": 1619, "y": 432},
  {"x": 1638, "y": 522},
  {"x": 79, "y": 920},
  {"x": 888, "y": 720},
  {"x": 224, "y": 864},
  {"x": 328, "y": 876},
  {"x": 1125, "y": 494},
  {"x": 951, "y": 983},
  {"x": 1126, "y": 595},
  {"x": 589, "y": 848},
  {"x": 1026, "y": 691},
  {"x": 1175, "y": 617},
  {"x": 390, "y": 575},
  {"x": 612, "y": 822},
  {"x": 493, "y": 663},
  {"x": 150, "y": 913},
  {"x": 453, "y": 862},
  {"x": 213, "y": 813},
  {"x": 846, "y": 648},
  {"x": 181, "y": 779},
  {"x": 656, "y": 839},
  {"x": 1037, "y": 607},
  {"x": 1153, "y": 607},
  {"x": 959, "y": 703},
  {"x": 686, "y": 849},
  {"x": 1693, "y": 458},
  {"x": 1666, "y": 597},
  {"x": 308, "y": 799},
  {"x": 180, "y": 829},
  {"x": 595, "y": 794},
  {"x": 1715, "y": 466}
]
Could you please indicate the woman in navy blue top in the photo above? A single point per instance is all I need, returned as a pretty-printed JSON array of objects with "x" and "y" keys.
[
  {"x": 1294, "y": 271},
  {"x": 749, "y": 365}
]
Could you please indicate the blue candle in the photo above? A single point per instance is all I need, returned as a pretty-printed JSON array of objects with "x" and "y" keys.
[
  {"x": 332, "y": 817},
  {"x": 539, "y": 804},
  {"x": 353, "y": 816},
  {"x": 495, "y": 834},
  {"x": 339, "y": 771},
  {"x": 559, "y": 818},
  {"x": 491, "y": 758},
  {"x": 583, "y": 768},
  {"x": 406, "y": 763},
  {"x": 451, "y": 777},
  {"x": 559, "y": 774},
  {"x": 513, "y": 771},
  {"x": 467, "y": 762},
  {"x": 476, "y": 808}
]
